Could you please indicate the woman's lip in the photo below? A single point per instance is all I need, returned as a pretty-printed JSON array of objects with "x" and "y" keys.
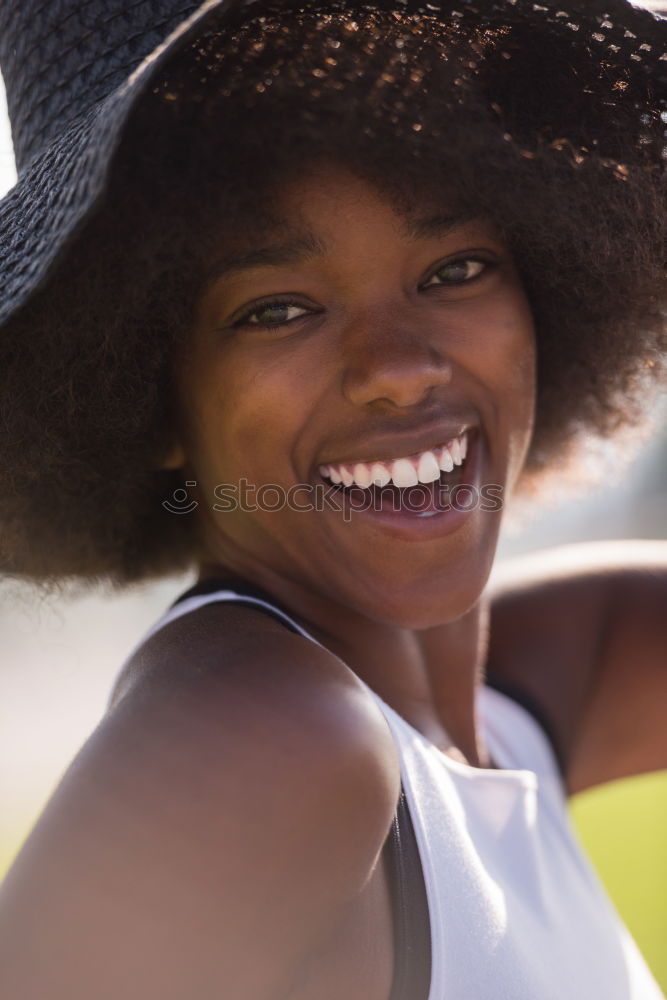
[
  {"x": 406, "y": 447},
  {"x": 405, "y": 525}
]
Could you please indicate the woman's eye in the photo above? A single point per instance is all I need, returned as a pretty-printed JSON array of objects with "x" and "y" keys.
[
  {"x": 457, "y": 272},
  {"x": 271, "y": 314}
]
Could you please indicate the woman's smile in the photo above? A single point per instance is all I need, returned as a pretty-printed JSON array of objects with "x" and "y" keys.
[
  {"x": 442, "y": 484},
  {"x": 384, "y": 356}
]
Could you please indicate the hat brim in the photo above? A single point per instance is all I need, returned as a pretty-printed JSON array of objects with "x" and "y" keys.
[{"x": 47, "y": 209}]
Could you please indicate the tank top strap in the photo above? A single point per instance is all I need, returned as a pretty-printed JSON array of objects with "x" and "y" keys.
[{"x": 209, "y": 592}]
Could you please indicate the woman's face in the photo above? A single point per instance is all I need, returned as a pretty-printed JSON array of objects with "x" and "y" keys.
[{"x": 391, "y": 336}]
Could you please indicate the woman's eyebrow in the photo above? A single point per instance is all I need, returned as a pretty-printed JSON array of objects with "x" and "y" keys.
[
  {"x": 307, "y": 246},
  {"x": 293, "y": 251},
  {"x": 435, "y": 225}
]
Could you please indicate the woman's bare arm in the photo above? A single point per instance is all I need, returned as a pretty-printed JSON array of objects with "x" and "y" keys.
[
  {"x": 583, "y": 629},
  {"x": 207, "y": 836}
]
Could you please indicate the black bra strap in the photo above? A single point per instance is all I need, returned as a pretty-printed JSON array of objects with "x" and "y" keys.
[{"x": 412, "y": 929}]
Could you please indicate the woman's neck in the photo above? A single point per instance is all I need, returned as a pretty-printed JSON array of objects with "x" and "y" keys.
[{"x": 429, "y": 677}]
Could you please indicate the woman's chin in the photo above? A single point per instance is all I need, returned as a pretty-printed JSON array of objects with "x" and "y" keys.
[{"x": 417, "y": 605}]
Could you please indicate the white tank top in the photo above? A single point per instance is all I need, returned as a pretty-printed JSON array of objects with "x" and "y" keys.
[{"x": 516, "y": 911}]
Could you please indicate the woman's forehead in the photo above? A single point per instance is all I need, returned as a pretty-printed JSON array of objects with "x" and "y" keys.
[{"x": 304, "y": 211}]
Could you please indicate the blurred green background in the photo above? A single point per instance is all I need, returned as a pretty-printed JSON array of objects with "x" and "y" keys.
[{"x": 623, "y": 826}]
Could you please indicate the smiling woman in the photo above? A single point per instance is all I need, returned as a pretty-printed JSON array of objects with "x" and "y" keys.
[{"x": 349, "y": 267}]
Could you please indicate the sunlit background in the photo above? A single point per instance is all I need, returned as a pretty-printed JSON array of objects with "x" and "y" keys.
[{"x": 58, "y": 660}]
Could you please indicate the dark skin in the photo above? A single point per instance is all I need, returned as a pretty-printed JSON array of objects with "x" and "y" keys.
[{"x": 231, "y": 797}]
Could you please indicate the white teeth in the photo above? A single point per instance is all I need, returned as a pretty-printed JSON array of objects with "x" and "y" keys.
[
  {"x": 455, "y": 449},
  {"x": 404, "y": 473},
  {"x": 346, "y": 476},
  {"x": 379, "y": 475},
  {"x": 428, "y": 469},
  {"x": 446, "y": 460},
  {"x": 362, "y": 475},
  {"x": 424, "y": 468}
]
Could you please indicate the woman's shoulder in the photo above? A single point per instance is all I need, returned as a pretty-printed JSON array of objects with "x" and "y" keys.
[
  {"x": 238, "y": 768},
  {"x": 231, "y": 658},
  {"x": 226, "y": 673}
]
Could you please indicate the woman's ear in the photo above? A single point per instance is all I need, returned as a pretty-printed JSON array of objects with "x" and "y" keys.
[{"x": 175, "y": 457}]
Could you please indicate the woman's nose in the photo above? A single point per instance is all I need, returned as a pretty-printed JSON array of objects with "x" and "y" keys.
[{"x": 393, "y": 364}]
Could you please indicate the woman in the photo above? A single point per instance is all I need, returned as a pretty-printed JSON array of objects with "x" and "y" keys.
[{"x": 340, "y": 282}]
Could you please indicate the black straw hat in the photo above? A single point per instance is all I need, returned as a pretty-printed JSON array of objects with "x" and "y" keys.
[{"x": 75, "y": 69}]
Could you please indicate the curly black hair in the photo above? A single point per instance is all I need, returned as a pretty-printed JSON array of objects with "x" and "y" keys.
[{"x": 494, "y": 121}]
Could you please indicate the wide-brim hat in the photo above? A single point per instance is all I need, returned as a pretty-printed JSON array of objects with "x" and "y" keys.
[{"x": 74, "y": 70}]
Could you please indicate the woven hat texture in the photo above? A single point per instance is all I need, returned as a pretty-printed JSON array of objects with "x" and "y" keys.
[{"x": 75, "y": 69}]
